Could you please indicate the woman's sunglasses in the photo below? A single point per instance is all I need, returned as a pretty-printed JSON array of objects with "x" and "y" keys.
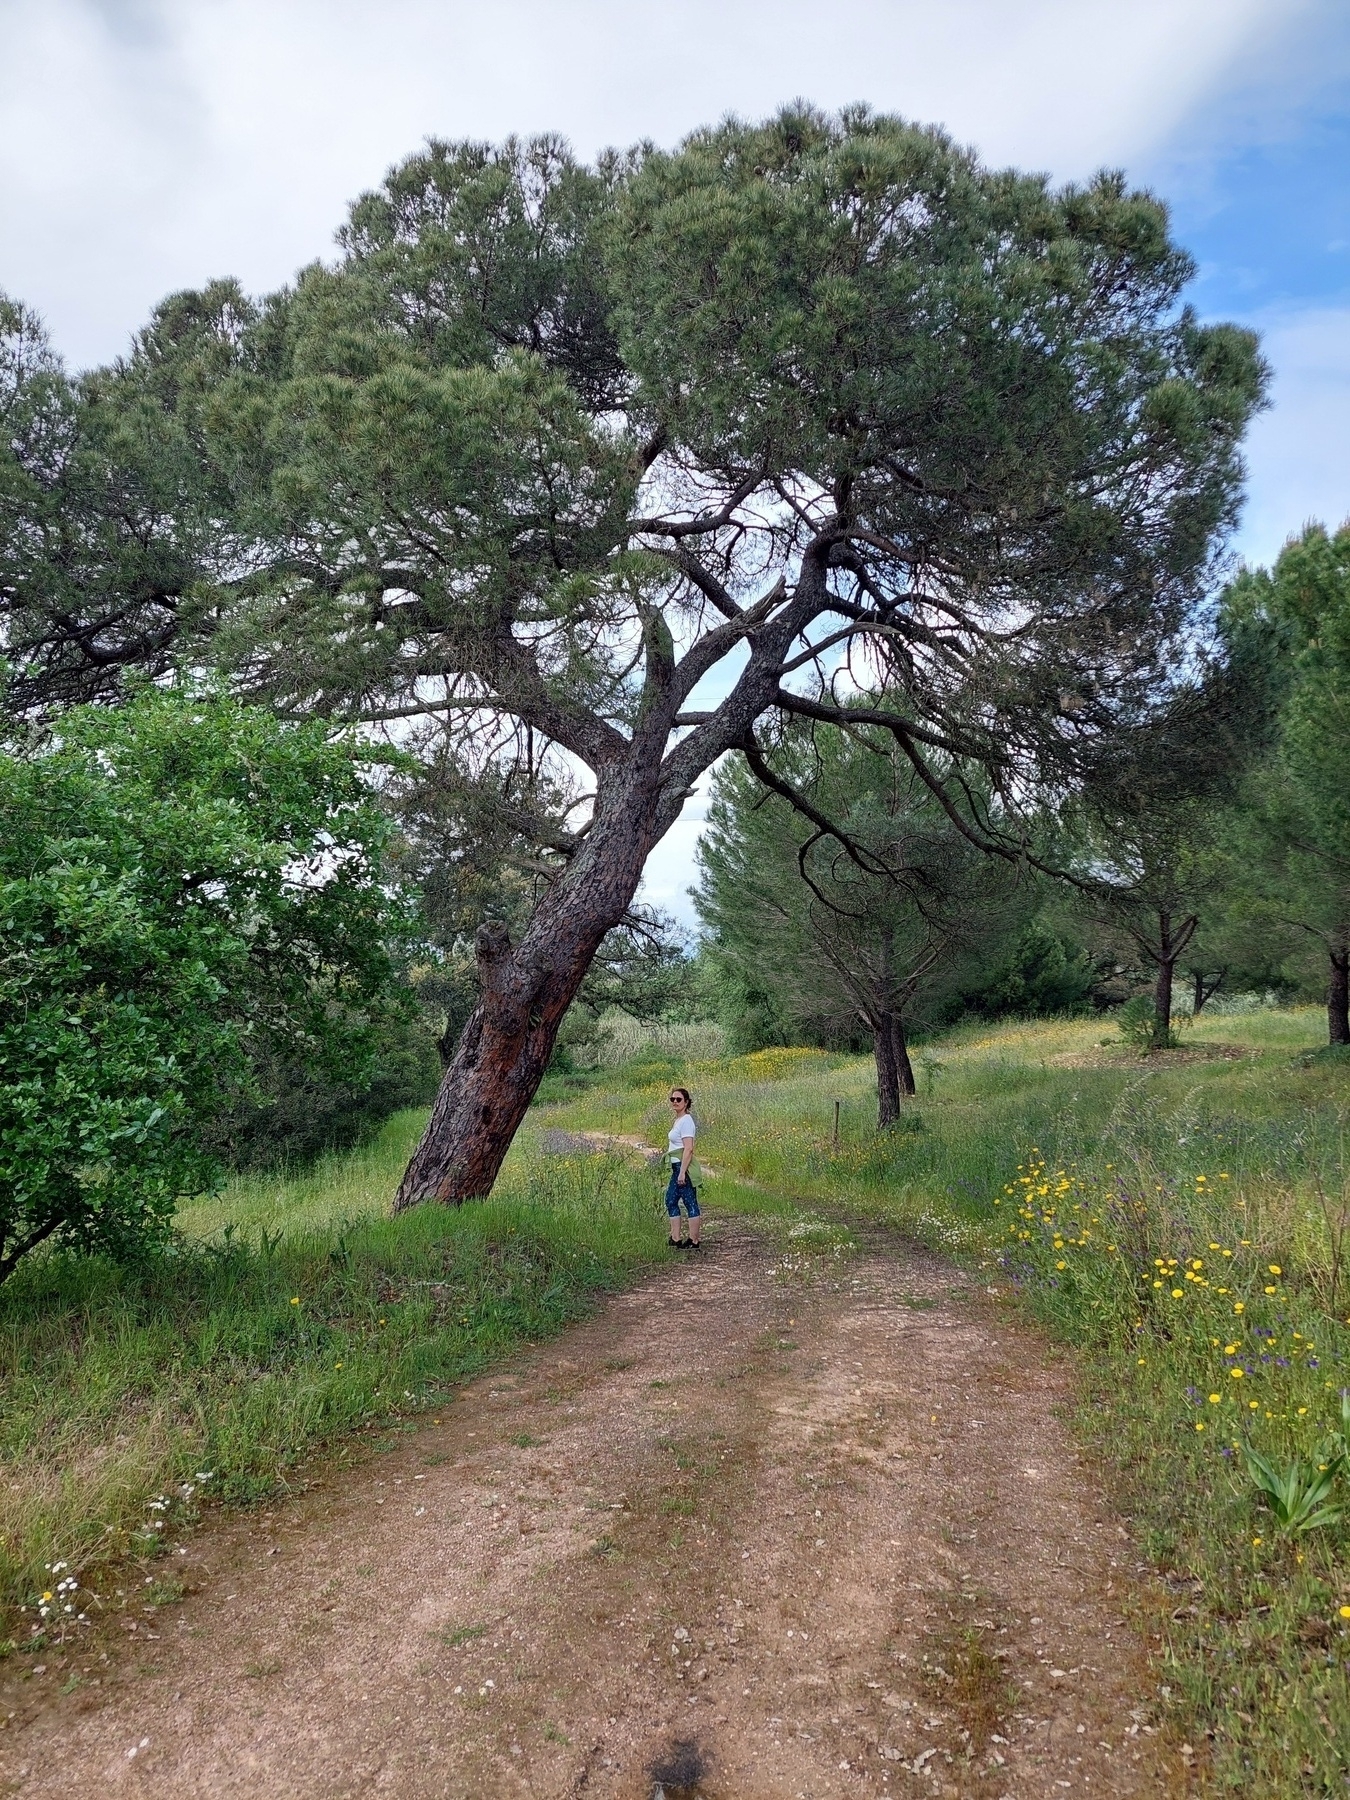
[{"x": 676, "y": 1098}]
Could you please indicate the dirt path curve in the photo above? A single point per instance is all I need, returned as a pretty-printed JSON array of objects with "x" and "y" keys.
[{"x": 742, "y": 1535}]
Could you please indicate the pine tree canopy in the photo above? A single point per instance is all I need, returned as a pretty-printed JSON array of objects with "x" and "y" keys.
[{"x": 805, "y": 407}]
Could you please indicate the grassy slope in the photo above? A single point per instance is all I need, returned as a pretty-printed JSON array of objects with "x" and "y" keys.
[{"x": 1101, "y": 1193}]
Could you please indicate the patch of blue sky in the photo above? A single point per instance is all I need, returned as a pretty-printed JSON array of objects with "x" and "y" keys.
[
  {"x": 1258, "y": 182},
  {"x": 1269, "y": 227}
]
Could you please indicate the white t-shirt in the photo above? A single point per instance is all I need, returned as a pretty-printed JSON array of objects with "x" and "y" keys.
[{"x": 682, "y": 1128}]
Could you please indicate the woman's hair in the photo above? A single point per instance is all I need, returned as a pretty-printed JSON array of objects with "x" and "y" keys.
[{"x": 687, "y": 1096}]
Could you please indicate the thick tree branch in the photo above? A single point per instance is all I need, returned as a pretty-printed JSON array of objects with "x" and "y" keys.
[
  {"x": 706, "y": 582},
  {"x": 768, "y": 776}
]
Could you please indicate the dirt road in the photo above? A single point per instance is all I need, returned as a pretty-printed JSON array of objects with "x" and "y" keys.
[{"x": 747, "y": 1533}]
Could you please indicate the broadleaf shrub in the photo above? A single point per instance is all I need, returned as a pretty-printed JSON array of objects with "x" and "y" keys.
[{"x": 186, "y": 886}]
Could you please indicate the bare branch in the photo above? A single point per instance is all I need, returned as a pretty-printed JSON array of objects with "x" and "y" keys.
[
  {"x": 705, "y": 522},
  {"x": 769, "y": 777}
]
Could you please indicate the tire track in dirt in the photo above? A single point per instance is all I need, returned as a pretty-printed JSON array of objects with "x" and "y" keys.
[{"x": 744, "y": 1534}]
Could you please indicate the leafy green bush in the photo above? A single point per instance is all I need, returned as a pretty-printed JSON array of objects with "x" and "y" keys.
[{"x": 186, "y": 885}]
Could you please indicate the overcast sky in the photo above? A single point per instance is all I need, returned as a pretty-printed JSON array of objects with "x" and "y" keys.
[{"x": 147, "y": 145}]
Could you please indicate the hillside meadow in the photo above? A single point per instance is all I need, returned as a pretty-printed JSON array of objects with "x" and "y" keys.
[{"x": 1180, "y": 1220}]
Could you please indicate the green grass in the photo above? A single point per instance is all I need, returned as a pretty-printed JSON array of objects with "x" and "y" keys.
[
  {"x": 292, "y": 1314},
  {"x": 295, "y": 1314},
  {"x": 356, "y": 1184},
  {"x": 1172, "y": 1159}
]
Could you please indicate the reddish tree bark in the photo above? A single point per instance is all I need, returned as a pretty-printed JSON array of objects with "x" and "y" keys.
[{"x": 505, "y": 1046}]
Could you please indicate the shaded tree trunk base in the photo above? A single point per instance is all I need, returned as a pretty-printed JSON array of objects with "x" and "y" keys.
[
  {"x": 524, "y": 993},
  {"x": 491, "y": 1078},
  {"x": 1338, "y": 998}
]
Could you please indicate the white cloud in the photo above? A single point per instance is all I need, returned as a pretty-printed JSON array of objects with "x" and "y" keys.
[
  {"x": 150, "y": 144},
  {"x": 1298, "y": 453},
  {"x": 671, "y": 869}
]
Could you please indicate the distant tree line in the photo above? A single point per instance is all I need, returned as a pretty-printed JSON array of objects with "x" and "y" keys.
[{"x": 842, "y": 904}]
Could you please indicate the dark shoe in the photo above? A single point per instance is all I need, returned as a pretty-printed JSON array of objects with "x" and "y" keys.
[
  {"x": 678, "y": 1243},
  {"x": 691, "y": 1245}
]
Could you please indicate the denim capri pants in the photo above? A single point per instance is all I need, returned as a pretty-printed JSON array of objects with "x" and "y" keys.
[{"x": 675, "y": 1193}]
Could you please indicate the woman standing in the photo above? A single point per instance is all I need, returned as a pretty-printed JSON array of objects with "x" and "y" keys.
[{"x": 681, "y": 1187}]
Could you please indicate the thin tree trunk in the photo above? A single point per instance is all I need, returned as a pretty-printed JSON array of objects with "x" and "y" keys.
[
  {"x": 1162, "y": 1004},
  {"x": 1164, "y": 949},
  {"x": 1205, "y": 990},
  {"x": 1338, "y": 997},
  {"x": 895, "y": 1072},
  {"x": 904, "y": 1066},
  {"x": 506, "y": 1043},
  {"x": 888, "y": 1070}
]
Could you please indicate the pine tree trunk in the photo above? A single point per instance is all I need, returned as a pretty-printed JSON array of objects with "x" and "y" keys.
[
  {"x": 1338, "y": 997},
  {"x": 888, "y": 1070},
  {"x": 895, "y": 1072},
  {"x": 1162, "y": 1004},
  {"x": 1201, "y": 994},
  {"x": 505, "y": 1046},
  {"x": 904, "y": 1067}
]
